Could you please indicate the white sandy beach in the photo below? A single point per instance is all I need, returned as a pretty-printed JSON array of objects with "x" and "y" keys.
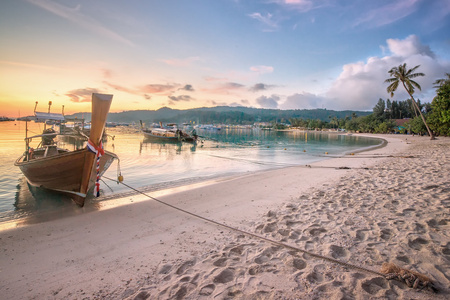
[{"x": 390, "y": 204}]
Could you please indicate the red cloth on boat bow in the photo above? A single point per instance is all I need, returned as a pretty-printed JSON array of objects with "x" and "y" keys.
[
  {"x": 94, "y": 149},
  {"x": 98, "y": 151}
]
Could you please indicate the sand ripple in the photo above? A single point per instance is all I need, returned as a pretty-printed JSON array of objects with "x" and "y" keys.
[{"x": 397, "y": 211}]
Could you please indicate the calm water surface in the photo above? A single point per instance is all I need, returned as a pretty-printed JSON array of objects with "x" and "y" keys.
[{"x": 150, "y": 166}]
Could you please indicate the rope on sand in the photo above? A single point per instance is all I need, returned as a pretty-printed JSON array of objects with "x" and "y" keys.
[{"x": 389, "y": 271}]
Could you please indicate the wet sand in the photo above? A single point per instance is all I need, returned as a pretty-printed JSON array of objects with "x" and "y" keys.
[{"x": 387, "y": 205}]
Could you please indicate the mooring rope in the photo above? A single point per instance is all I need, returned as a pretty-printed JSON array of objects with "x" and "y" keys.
[
  {"x": 281, "y": 164},
  {"x": 277, "y": 243}
]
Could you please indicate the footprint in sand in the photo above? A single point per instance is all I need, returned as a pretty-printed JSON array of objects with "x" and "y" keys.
[
  {"x": 284, "y": 232},
  {"x": 338, "y": 252},
  {"x": 165, "y": 269},
  {"x": 253, "y": 270},
  {"x": 225, "y": 276},
  {"x": 432, "y": 223},
  {"x": 290, "y": 223},
  {"x": 443, "y": 222},
  {"x": 361, "y": 235},
  {"x": 181, "y": 293},
  {"x": 238, "y": 250},
  {"x": 435, "y": 223},
  {"x": 349, "y": 222},
  {"x": 417, "y": 243},
  {"x": 408, "y": 211},
  {"x": 386, "y": 234},
  {"x": 265, "y": 256},
  {"x": 207, "y": 290},
  {"x": 419, "y": 228},
  {"x": 143, "y": 295},
  {"x": 271, "y": 227},
  {"x": 430, "y": 187},
  {"x": 221, "y": 262},
  {"x": 298, "y": 263},
  {"x": 185, "y": 266},
  {"x": 403, "y": 258},
  {"x": 314, "y": 277},
  {"x": 261, "y": 259},
  {"x": 294, "y": 235},
  {"x": 317, "y": 231},
  {"x": 374, "y": 285},
  {"x": 271, "y": 214},
  {"x": 446, "y": 249}
]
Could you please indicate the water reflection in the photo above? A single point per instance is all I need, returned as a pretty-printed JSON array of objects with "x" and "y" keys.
[
  {"x": 34, "y": 205},
  {"x": 29, "y": 198},
  {"x": 71, "y": 141},
  {"x": 164, "y": 147}
]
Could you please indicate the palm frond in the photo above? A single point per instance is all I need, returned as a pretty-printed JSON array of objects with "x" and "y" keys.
[
  {"x": 415, "y": 84},
  {"x": 409, "y": 87},
  {"x": 413, "y": 69},
  {"x": 440, "y": 82},
  {"x": 416, "y": 75},
  {"x": 392, "y": 87}
]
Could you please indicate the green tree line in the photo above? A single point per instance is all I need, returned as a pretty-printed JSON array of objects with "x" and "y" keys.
[{"x": 428, "y": 118}]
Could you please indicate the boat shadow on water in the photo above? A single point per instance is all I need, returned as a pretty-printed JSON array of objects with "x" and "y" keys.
[
  {"x": 36, "y": 205},
  {"x": 152, "y": 144}
]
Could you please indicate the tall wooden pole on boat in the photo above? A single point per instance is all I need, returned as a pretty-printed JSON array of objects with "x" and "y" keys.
[
  {"x": 100, "y": 108},
  {"x": 27, "y": 142}
]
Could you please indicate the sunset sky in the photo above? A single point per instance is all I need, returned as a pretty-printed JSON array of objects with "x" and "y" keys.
[{"x": 286, "y": 54}]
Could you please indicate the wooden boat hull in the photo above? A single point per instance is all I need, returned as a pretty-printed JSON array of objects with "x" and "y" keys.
[
  {"x": 62, "y": 173},
  {"x": 151, "y": 136},
  {"x": 188, "y": 139},
  {"x": 73, "y": 173},
  {"x": 178, "y": 136}
]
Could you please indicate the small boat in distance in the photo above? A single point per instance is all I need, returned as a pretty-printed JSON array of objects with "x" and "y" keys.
[
  {"x": 73, "y": 173},
  {"x": 168, "y": 134},
  {"x": 75, "y": 127}
]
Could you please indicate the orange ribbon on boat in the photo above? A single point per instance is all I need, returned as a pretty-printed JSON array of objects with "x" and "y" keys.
[{"x": 98, "y": 151}]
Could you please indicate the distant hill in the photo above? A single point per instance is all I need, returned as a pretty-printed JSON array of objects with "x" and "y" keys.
[{"x": 224, "y": 115}]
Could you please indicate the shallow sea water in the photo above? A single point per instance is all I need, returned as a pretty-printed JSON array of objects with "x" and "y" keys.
[{"x": 149, "y": 166}]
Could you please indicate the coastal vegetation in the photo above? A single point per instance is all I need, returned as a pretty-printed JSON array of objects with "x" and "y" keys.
[
  {"x": 405, "y": 76},
  {"x": 228, "y": 115}
]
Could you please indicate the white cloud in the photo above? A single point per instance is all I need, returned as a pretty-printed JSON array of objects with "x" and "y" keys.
[
  {"x": 299, "y": 5},
  {"x": 268, "y": 21},
  {"x": 387, "y": 14},
  {"x": 361, "y": 84},
  {"x": 268, "y": 102},
  {"x": 408, "y": 47},
  {"x": 302, "y": 101}
]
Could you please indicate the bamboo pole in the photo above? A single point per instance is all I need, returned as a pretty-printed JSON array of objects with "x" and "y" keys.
[{"x": 100, "y": 108}]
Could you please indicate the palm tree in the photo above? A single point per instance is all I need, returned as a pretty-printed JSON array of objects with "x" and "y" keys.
[
  {"x": 405, "y": 76},
  {"x": 440, "y": 82}
]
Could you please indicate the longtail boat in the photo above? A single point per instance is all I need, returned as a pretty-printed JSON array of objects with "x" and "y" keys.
[
  {"x": 167, "y": 134},
  {"x": 73, "y": 173}
]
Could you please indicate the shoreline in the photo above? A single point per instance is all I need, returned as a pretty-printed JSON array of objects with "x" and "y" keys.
[
  {"x": 147, "y": 248},
  {"x": 110, "y": 201}
]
